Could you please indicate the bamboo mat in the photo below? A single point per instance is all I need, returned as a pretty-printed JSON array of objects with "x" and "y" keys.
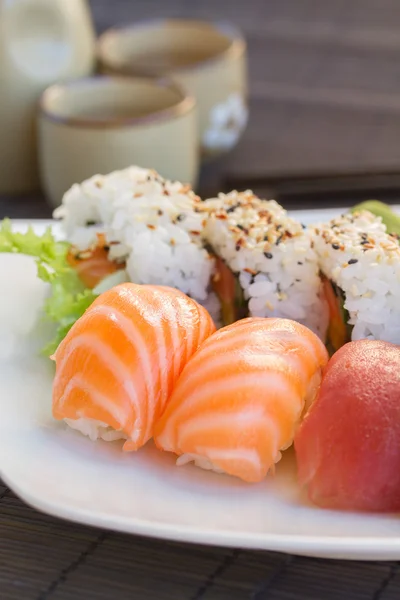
[
  {"x": 325, "y": 118},
  {"x": 44, "y": 558}
]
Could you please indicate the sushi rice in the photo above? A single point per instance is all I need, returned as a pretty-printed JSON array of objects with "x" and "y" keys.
[
  {"x": 95, "y": 430},
  {"x": 271, "y": 256},
  {"x": 165, "y": 235},
  {"x": 362, "y": 260},
  {"x": 150, "y": 224}
]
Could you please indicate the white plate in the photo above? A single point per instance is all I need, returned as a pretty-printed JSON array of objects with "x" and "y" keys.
[{"x": 62, "y": 473}]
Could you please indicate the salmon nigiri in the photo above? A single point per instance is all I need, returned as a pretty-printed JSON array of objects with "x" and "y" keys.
[
  {"x": 116, "y": 367},
  {"x": 239, "y": 399}
]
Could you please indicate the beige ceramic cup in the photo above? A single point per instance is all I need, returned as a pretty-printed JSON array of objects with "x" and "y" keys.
[
  {"x": 102, "y": 124},
  {"x": 207, "y": 59}
]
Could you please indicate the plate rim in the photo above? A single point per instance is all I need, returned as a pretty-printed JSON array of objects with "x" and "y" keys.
[{"x": 330, "y": 547}]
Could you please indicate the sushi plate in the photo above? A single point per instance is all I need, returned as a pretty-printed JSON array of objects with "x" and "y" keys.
[{"x": 60, "y": 472}]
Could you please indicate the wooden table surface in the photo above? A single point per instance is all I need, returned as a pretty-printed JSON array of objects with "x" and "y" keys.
[{"x": 324, "y": 129}]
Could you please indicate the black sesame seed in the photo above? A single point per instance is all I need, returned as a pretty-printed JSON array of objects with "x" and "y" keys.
[
  {"x": 303, "y": 226},
  {"x": 278, "y": 241},
  {"x": 160, "y": 212},
  {"x": 299, "y": 262},
  {"x": 267, "y": 254},
  {"x": 232, "y": 208},
  {"x": 241, "y": 227},
  {"x": 352, "y": 261},
  {"x": 335, "y": 246},
  {"x": 180, "y": 217},
  {"x": 298, "y": 280},
  {"x": 90, "y": 223},
  {"x": 364, "y": 242},
  {"x": 237, "y": 247},
  {"x": 278, "y": 227}
]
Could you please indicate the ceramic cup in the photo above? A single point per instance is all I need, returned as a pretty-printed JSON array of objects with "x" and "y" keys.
[
  {"x": 206, "y": 59},
  {"x": 102, "y": 124}
]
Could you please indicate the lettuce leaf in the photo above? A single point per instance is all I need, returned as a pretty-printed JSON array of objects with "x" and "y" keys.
[{"x": 68, "y": 297}]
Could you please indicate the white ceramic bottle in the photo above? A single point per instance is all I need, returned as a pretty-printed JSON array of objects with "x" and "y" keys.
[{"x": 41, "y": 42}]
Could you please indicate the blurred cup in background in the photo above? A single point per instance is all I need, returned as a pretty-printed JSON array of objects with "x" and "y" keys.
[
  {"x": 41, "y": 41},
  {"x": 206, "y": 59},
  {"x": 101, "y": 124}
]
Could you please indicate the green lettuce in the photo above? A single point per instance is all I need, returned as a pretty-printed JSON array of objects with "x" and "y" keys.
[{"x": 68, "y": 298}]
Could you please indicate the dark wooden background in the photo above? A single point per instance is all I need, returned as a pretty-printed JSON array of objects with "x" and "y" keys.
[
  {"x": 324, "y": 129},
  {"x": 324, "y": 92}
]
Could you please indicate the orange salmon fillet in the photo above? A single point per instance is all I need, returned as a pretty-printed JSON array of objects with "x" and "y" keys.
[
  {"x": 240, "y": 398},
  {"x": 119, "y": 362}
]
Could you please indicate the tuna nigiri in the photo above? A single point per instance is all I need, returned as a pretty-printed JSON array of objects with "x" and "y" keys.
[
  {"x": 348, "y": 445},
  {"x": 116, "y": 367},
  {"x": 240, "y": 397}
]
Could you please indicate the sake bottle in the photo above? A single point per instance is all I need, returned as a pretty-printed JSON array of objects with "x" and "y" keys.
[{"x": 41, "y": 42}]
